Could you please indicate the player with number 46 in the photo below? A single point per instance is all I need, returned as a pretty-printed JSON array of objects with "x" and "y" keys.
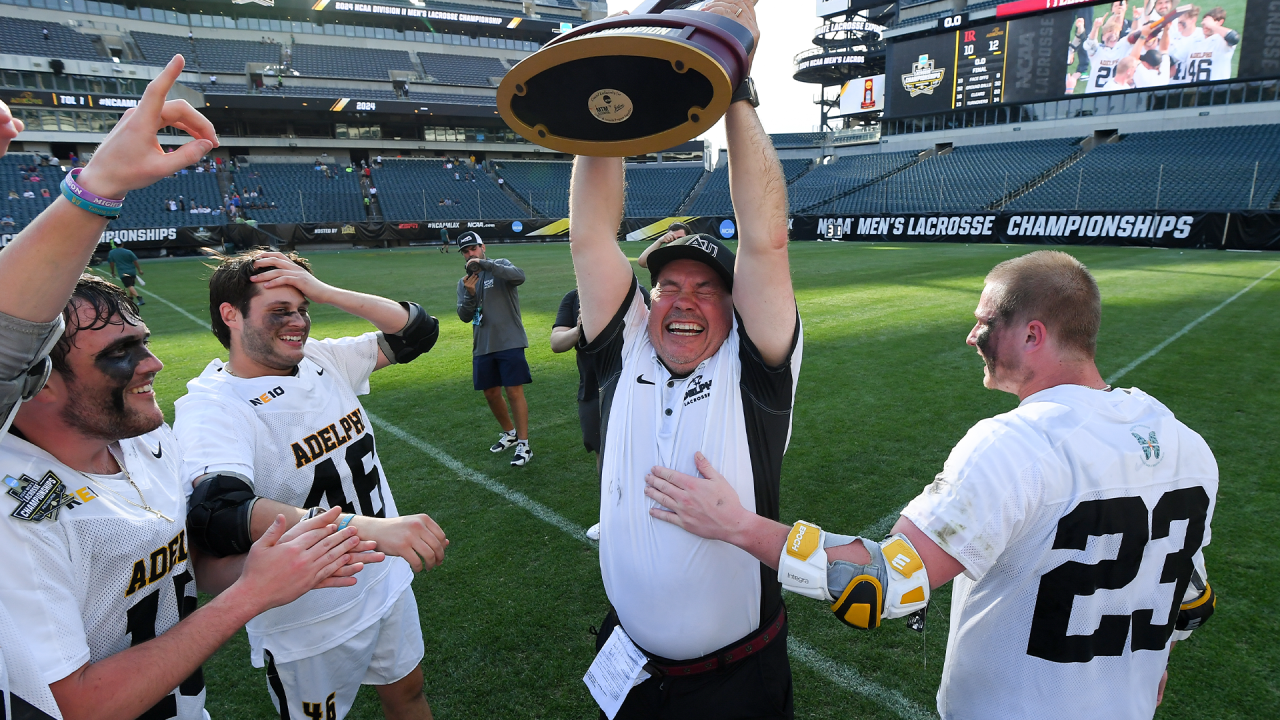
[{"x": 281, "y": 423}]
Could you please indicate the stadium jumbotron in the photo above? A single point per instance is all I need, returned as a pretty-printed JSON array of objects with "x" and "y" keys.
[{"x": 947, "y": 136}]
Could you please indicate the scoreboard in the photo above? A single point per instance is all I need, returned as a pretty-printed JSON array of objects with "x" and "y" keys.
[{"x": 980, "y": 62}]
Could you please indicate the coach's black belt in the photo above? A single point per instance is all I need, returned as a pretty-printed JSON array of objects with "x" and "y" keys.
[{"x": 748, "y": 646}]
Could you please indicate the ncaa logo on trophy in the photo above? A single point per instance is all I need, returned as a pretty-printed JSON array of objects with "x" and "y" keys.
[{"x": 629, "y": 84}]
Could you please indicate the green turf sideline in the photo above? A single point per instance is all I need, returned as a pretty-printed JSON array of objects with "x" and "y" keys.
[
  {"x": 839, "y": 675},
  {"x": 186, "y": 314},
  {"x": 1155, "y": 350},
  {"x": 519, "y": 499}
]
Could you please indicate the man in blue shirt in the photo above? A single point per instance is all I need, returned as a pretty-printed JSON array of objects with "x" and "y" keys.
[{"x": 124, "y": 265}]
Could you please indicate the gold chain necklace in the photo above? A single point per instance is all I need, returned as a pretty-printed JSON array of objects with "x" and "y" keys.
[{"x": 128, "y": 478}]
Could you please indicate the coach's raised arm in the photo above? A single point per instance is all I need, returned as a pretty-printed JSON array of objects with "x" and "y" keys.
[{"x": 40, "y": 267}]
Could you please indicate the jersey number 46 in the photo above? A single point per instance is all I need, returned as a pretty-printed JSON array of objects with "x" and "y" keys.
[{"x": 1127, "y": 517}]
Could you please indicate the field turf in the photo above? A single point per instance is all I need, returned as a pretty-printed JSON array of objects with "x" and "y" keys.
[{"x": 887, "y": 387}]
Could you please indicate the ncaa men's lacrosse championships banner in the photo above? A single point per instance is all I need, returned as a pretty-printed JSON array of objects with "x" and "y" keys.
[{"x": 1254, "y": 230}]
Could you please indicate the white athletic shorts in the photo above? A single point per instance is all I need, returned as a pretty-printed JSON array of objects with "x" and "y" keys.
[{"x": 323, "y": 687}]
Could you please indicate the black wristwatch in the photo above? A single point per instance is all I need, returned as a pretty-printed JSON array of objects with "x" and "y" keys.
[{"x": 746, "y": 91}]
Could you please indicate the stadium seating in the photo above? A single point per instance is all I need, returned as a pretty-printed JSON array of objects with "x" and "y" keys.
[
  {"x": 349, "y": 62},
  {"x": 656, "y": 191},
  {"x": 24, "y": 37},
  {"x": 209, "y": 55},
  {"x": 826, "y": 181},
  {"x": 146, "y": 208},
  {"x": 408, "y": 187},
  {"x": 301, "y": 193},
  {"x": 798, "y": 140},
  {"x": 714, "y": 198},
  {"x": 24, "y": 210},
  {"x": 968, "y": 178},
  {"x": 237, "y": 86},
  {"x": 1204, "y": 169},
  {"x": 470, "y": 70},
  {"x": 544, "y": 185}
]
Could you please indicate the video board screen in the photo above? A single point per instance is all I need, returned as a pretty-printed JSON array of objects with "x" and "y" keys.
[{"x": 1096, "y": 48}]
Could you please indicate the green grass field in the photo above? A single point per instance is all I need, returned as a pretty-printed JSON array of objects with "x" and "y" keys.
[{"x": 887, "y": 387}]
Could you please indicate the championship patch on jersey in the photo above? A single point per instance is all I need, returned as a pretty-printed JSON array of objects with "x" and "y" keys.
[{"x": 38, "y": 500}]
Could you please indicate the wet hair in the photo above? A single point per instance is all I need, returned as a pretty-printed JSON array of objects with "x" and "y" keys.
[
  {"x": 111, "y": 306},
  {"x": 1054, "y": 288},
  {"x": 231, "y": 283},
  {"x": 1217, "y": 14}
]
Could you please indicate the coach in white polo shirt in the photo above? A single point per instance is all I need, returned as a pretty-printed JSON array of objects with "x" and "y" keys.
[{"x": 711, "y": 368}]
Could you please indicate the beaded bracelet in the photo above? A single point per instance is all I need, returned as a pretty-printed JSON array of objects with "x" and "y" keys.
[{"x": 85, "y": 200}]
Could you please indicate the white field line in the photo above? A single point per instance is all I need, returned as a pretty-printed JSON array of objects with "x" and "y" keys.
[
  {"x": 189, "y": 316},
  {"x": 1155, "y": 350},
  {"x": 840, "y": 675}
]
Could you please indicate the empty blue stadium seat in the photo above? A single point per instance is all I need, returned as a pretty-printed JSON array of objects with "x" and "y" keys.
[
  {"x": 301, "y": 193},
  {"x": 473, "y": 70},
  {"x": 24, "y": 37},
  {"x": 349, "y": 62},
  {"x": 415, "y": 189},
  {"x": 207, "y": 54}
]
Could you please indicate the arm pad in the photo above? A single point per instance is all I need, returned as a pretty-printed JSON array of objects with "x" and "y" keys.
[
  {"x": 218, "y": 514},
  {"x": 895, "y": 583},
  {"x": 24, "y": 361},
  {"x": 1197, "y": 606},
  {"x": 417, "y": 336}
]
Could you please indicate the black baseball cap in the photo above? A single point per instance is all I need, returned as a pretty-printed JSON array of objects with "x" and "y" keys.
[
  {"x": 468, "y": 239},
  {"x": 1152, "y": 58},
  {"x": 703, "y": 248}
]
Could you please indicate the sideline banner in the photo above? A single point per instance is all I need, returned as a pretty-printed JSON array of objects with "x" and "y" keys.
[{"x": 1152, "y": 229}]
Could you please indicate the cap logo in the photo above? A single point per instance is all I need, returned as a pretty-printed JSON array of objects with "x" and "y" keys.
[{"x": 704, "y": 246}]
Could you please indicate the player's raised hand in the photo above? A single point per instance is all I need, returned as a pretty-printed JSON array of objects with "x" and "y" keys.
[
  {"x": 9, "y": 128},
  {"x": 707, "y": 506},
  {"x": 416, "y": 538},
  {"x": 285, "y": 272},
  {"x": 282, "y": 566},
  {"x": 131, "y": 157}
]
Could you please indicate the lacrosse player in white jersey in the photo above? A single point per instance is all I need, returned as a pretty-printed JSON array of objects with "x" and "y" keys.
[
  {"x": 74, "y": 609},
  {"x": 1073, "y": 525},
  {"x": 99, "y": 574},
  {"x": 1105, "y": 56},
  {"x": 1183, "y": 33},
  {"x": 1207, "y": 56},
  {"x": 282, "y": 420}
]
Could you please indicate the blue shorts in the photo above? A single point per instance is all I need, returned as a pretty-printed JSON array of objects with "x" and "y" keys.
[{"x": 505, "y": 368}]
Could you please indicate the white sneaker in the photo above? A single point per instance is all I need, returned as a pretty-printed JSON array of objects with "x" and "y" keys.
[
  {"x": 505, "y": 440},
  {"x": 593, "y": 532},
  {"x": 523, "y": 455}
]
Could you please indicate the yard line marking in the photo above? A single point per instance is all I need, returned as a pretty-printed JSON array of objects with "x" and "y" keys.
[
  {"x": 188, "y": 315},
  {"x": 883, "y": 525},
  {"x": 1153, "y": 351},
  {"x": 519, "y": 499},
  {"x": 838, "y": 674},
  {"x": 849, "y": 679}
]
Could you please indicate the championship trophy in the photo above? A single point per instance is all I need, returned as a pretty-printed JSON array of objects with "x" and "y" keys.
[{"x": 629, "y": 84}]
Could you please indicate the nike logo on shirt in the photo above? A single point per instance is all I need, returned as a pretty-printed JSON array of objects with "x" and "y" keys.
[
  {"x": 159, "y": 451},
  {"x": 640, "y": 379},
  {"x": 320, "y": 371}
]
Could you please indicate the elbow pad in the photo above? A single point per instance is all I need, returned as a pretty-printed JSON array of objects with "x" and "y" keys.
[
  {"x": 1232, "y": 38},
  {"x": 25, "y": 362},
  {"x": 895, "y": 582},
  {"x": 1198, "y": 604},
  {"x": 218, "y": 514},
  {"x": 417, "y": 336}
]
